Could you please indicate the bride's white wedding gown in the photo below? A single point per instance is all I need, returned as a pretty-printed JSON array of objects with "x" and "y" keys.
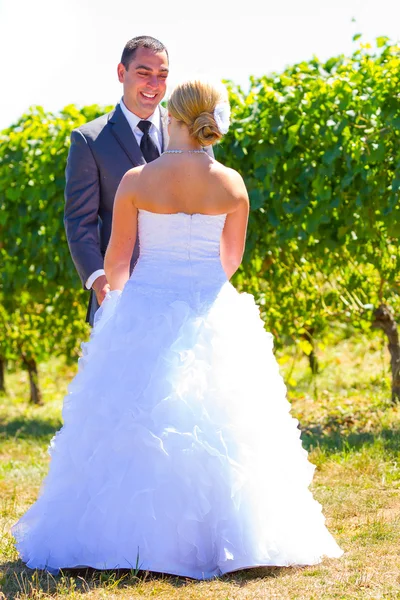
[{"x": 178, "y": 453}]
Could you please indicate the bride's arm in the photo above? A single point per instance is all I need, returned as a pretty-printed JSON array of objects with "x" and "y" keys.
[
  {"x": 123, "y": 234},
  {"x": 233, "y": 237}
]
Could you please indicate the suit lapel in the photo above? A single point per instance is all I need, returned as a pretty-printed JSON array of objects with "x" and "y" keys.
[
  {"x": 123, "y": 134},
  {"x": 164, "y": 128}
]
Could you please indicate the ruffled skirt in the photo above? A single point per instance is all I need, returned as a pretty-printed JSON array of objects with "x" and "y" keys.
[{"x": 178, "y": 453}]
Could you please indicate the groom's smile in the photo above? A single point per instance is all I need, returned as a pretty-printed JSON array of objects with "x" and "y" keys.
[{"x": 144, "y": 81}]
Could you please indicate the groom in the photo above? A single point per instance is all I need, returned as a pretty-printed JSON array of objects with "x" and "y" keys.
[{"x": 101, "y": 152}]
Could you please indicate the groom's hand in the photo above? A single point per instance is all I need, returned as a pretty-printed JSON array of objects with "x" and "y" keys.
[{"x": 101, "y": 287}]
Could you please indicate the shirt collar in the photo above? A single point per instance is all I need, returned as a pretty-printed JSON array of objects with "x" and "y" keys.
[{"x": 133, "y": 119}]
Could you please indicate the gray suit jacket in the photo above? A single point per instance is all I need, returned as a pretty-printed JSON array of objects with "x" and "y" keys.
[{"x": 100, "y": 154}]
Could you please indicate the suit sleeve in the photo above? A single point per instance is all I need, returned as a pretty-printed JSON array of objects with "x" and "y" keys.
[{"x": 81, "y": 211}]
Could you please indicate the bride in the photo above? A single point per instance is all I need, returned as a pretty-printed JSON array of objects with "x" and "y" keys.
[{"x": 178, "y": 453}]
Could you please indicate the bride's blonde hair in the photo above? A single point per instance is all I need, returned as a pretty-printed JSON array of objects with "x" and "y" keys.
[{"x": 193, "y": 102}]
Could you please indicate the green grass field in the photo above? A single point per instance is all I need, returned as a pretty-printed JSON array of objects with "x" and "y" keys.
[{"x": 352, "y": 433}]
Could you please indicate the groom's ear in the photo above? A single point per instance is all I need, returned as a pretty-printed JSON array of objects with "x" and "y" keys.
[{"x": 121, "y": 72}]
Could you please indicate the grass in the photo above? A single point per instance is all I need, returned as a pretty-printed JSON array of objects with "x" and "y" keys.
[{"x": 351, "y": 430}]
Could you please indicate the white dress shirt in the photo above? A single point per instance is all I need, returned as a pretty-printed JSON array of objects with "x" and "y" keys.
[
  {"x": 154, "y": 131},
  {"x": 155, "y": 134}
]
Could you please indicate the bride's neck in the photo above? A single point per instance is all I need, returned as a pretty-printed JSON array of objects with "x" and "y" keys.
[{"x": 181, "y": 140}]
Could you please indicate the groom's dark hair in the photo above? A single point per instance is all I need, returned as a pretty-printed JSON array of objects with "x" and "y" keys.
[{"x": 142, "y": 41}]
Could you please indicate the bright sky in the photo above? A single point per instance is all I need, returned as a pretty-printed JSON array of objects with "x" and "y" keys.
[{"x": 57, "y": 52}]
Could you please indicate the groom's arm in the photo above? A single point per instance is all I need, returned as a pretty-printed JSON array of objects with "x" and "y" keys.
[{"x": 82, "y": 199}]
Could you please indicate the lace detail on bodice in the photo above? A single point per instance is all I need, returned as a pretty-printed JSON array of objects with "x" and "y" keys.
[{"x": 179, "y": 255}]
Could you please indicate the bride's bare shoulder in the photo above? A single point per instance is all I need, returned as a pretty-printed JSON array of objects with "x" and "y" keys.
[
  {"x": 131, "y": 180},
  {"x": 230, "y": 179},
  {"x": 134, "y": 173},
  {"x": 128, "y": 188}
]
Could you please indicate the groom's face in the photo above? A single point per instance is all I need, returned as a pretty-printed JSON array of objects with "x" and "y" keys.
[{"x": 145, "y": 81}]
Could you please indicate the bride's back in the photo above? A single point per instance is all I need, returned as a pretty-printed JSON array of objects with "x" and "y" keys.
[
  {"x": 189, "y": 183},
  {"x": 184, "y": 181}
]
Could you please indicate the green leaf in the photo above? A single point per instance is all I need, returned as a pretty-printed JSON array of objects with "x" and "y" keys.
[
  {"x": 382, "y": 41},
  {"x": 305, "y": 346},
  {"x": 256, "y": 199}
]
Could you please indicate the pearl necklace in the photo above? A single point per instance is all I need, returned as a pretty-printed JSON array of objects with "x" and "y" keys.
[{"x": 183, "y": 151}]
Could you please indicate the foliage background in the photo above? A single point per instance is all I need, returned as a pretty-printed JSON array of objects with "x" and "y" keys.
[{"x": 318, "y": 147}]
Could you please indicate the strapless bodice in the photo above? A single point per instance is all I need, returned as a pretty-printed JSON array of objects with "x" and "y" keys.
[
  {"x": 180, "y": 236},
  {"x": 179, "y": 252}
]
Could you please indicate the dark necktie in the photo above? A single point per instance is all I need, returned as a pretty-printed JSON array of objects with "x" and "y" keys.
[{"x": 147, "y": 146}]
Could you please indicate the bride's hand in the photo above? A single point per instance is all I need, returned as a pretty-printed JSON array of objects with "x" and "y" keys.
[{"x": 101, "y": 287}]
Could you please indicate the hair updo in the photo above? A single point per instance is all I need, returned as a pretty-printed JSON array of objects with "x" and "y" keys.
[{"x": 193, "y": 102}]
